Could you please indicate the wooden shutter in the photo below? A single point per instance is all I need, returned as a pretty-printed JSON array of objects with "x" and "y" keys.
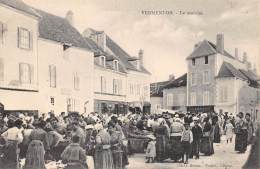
[
  {"x": 1, "y": 30},
  {"x": 1, "y": 69},
  {"x": 31, "y": 74},
  {"x": 30, "y": 40}
]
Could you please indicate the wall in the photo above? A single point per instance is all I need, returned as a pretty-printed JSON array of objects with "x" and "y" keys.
[
  {"x": 109, "y": 75},
  {"x": 143, "y": 80},
  {"x": 12, "y": 56},
  {"x": 156, "y": 104},
  {"x": 67, "y": 63},
  {"x": 198, "y": 69},
  {"x": 179, "y": 98}
]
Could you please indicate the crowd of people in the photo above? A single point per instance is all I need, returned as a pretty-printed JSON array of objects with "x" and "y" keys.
[{"x": 70, "y": 137}]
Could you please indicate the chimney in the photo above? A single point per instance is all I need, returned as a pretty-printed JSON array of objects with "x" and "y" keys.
[
  {"x": 220, "y": 43},
  {"x": 70, "y": 17},
  {"x": 101, "y": 40},
  {"x": 171, "y": 77},
  {"x": 141, "y": 56},
  {"x": 244, "y": 57},
  {"x": 236, "y": 53}
]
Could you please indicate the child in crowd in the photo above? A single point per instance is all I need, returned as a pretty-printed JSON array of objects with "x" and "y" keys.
[
  {"x": 151, "y": 149},
  {"x": 229, "y": 130},
  {"x": 186, "y": 140}
]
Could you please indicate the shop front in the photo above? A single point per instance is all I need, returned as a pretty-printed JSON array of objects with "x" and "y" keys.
[
  {"x": 200, "y": 109},
  {"x": 104, "y": 106}
]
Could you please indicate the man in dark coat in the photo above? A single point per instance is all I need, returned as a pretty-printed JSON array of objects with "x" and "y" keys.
[{"x": 197, "y": 134}]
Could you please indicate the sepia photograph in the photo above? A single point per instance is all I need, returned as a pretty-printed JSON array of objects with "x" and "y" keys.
[{"x": 129, "y": 84}]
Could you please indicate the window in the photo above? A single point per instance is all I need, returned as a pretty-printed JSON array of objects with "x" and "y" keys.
[
  {"x": 193, "y": 79},
  {"x": 72, "y": 105},
  {"x": 206, "y": 98},
  {"x": 131, "y": 88},
  {"x": 1, "y": 69},
  {"x": 1, "y": 32},
  {"x": 206, "y": 60},
  {"x": 181, "y": 98},
  {"x": 26, "y": 73},
  {"x": 138, "y": 65},
  {"x": 146, "y": 91},
  {"x": 103, "y": 84},
  {"x": 193, "y": 99},
  {"x": 76, "y": 81},
  {"x": 206, "y": 77},
  {"x": 223, "y": 94},
  {"x": 115, "y": 86},
  {"x": 52, "y": 72},
  {"x": 120, "y": 86},
  {"x": 169, "y": 100},
  {"x": 24, "y": 39},
  {"x": 52, "y": 101},
  {"x": 138, "y": 89},
  {"x": 115, "y": 63},
  {"x": 102, "y": 61},
  {"x": 193, "y": 62}
]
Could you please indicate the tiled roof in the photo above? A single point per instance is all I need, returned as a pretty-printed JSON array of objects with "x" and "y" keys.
[
  {"x": 252, "y": 77},
  {"x": 206, "y": 48},
  {"x": 21, "y": 6},
  {"x": 109, "y": 57},
  {"x": 228, "y": 70},
  {"x": 156, "y": 89},
  {"x": 179, "y": 82},
  {"x": 60, "y": 30},
  {"x": 118, "y": 51}
]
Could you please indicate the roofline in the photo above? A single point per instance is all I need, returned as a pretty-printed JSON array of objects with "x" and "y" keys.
[
  {"x": 20, "y": 11},
  {"x": 61, "y": 43}
]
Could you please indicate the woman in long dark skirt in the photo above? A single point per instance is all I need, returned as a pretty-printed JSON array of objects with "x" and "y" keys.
[
  {"x": 241, "y": 130},
  {"x": 175, "y": 140},
  {"x": 206, "y": 141},
  {"x": 162, "y": 140}
]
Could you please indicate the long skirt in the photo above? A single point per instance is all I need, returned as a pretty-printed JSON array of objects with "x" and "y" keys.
[
  {"x": 206, "y": 146},
  {"x": 161, "y": 147},
  {"x": 241, "y": 141},
  {"x": 35, "y": 156},
  {"x": 117, "y": 159},
  {"x": 217, "y": 134},
  {"x": 176, "y": 147},
  {"x": 103, "y": 159},
  {"x": 10, "y": 156},
  {"x": 125, "y": 157}
]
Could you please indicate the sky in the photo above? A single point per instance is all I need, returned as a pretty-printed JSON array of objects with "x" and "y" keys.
[{"x": 166, "y": 39}]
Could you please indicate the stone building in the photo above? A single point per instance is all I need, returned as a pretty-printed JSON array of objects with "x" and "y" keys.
[
  {"x": 175, "y": 94},
  {"x": 219, "y": 81},
  {"x": 121, "y": 80}
]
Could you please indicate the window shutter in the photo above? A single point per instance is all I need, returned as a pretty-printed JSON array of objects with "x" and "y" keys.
[
  {"x": 1, "y": 30},
  {"x": 31, "y": 74},
  {"x": 20, "y": 72},
  {"x": 18, "y": 37},
  {"x": 1, "y": 69},
  {"x": 31, "y": 40}
]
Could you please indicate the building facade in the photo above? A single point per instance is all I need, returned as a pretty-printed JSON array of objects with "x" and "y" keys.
[
  {"x": 216, "y": 81},
  {"x": 45, "y": 63},
  {"x": 121, "y": 81},
  {"x": 175, "y": 95},
  {"x": 219, "y": 81},
  {"x": 18, "y": 57}
]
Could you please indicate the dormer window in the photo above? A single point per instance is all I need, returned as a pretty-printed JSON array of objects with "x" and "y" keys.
[
  {"x": 115, "y": 64},
  {"x": 102, "y": 61},
  {"x": 138, "y": 66}
]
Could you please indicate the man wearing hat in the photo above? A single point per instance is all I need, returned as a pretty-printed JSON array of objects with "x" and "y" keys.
[
  {"x": 186, "y": 139},
  {"x": 197, "y": 134}
]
